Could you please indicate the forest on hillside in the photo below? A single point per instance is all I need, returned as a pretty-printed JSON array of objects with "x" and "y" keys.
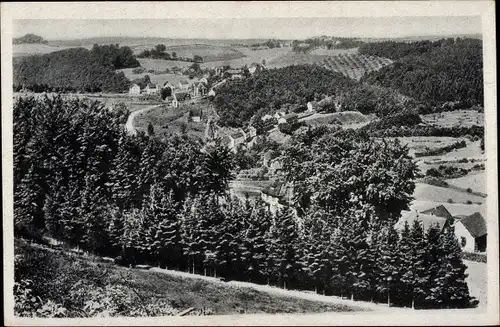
[
  {"x": 29, "y": 38},
  {"x": 76, "y": 69},
  {"x": 434, "y": 73},
  {"x": 290, "y": 88},
  {"x": 80, "y": 179}
]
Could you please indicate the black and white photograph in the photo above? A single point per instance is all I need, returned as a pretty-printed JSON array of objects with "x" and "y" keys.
[{"x": 275, "y": 163}]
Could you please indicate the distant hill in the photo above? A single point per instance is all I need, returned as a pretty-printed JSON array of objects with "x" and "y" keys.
[
  {"x": 76, "y": 69},
  {"x": 29, "y": 38}
]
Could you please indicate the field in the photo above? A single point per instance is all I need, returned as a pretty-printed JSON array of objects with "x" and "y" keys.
[
  {"x": 349, "y": 119},
  {"x": 332, "y": 52},
  {"x": 291, "y": 58},
  {"x": 355, "y": 65},
  {"x": 169, "y": 120},
  {"x": 477, "y": 182},
  {"x": 455, "y": 118},
  {"x": 425, "y": 192},
  {"x": 250, "y": 57},
  {"x": 61, "y": 270},
  {"x": 207, "y": 52},
  {"x": 19, "y": 50}
]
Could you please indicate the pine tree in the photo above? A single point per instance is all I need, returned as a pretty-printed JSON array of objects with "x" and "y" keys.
[
  {"x": 450, "y": 280},
  {"x": 284, "y": 252},
  {"x": 432, "y": 263},
  {"x": 388, "y": 263}
]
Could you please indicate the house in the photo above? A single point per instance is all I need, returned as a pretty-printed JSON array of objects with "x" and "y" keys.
[
  {"x": 290, "y": 119},
  {"x": 235, "y": 73},
  {"x": 152, "y": 89},
  {"x": 134, "y": 90},
  {"x": 266, "y": 117},
  {"x": 426, "y": 221},
  {"x": 183, "y": 85},
  {"x": 195, "y": 115},
  {"x": 172, "y": 101},
  {"x": 312, "y": 106},
  {"x": 278, "y": 115},
  {"x": 252, "y": 132},
  {"x": 211, "y": 93},
  {"x": 439, "y": 211},
  {"x": 471, "y": 232},
  {"x": 198, "y": 89},
  {"x": 277, "y": 195},
  {"x": 236, "y": 139},
  {"x": 219, "y": 70},
  {"x": 254, "y": 68}
]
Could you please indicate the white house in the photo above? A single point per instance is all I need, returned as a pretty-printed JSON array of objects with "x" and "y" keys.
[
  {"x": 134, "y": 90},
  {"x": 211, "y": 93},
  {"x": 151, "y": 89},
  {"x": 471, "y": 233},
  {"x": 426, "y": 221},
  {"x": 183, "y": 85},
  {"x": 266, "y": 117},
  {"x": 312, "y": 106}
]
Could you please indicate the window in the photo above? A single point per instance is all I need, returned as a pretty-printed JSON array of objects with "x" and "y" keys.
[{"x": 463, "y": 241}]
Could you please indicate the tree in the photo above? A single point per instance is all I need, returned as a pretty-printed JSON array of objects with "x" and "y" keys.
[
  {"x": 450, "y": 280},
  {"x": 151, "y": 130},
  {"x": 284, "y": 251},
  {"x": 160, "y": 48}
]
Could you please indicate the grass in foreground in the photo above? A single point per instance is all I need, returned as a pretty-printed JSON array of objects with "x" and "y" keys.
[{"x": 83, "y": 288}]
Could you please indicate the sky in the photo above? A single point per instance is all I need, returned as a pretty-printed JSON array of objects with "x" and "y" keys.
[{"x": 248, "y": 28}]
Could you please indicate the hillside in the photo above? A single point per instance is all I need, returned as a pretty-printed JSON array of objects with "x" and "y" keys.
[
  {"x": 29, "y": 38},
  {"x": 75, "y": 69},
  {"x": 285, "y": 88},
  {"x": 116, "y": 291},
  {"x": 355, "y": 65},
  {"x": 433, "y": 72}
]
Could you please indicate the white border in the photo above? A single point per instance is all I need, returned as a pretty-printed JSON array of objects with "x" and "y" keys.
[{"x": 157, "y": 10}]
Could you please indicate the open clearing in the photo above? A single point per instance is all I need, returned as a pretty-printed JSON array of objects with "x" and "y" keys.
[
  {"x": 349, "y": 119},
  {"x": 250, "y": 57},
  {"x": 182, "y": 290},
  {"x": 291, "y": 58},
  {"x": 332, "y": 52},
  {"x": 477, "y": 182},
  {"x": 455, "y": 118},
  {"x": 425, "y": 192}
]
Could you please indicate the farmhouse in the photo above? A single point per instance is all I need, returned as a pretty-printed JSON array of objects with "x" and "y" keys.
[
  {"x": 183, "y": 85},
  {"x": 198, "y": 89},
  {"x": 255, "y": 68},
  {"x": 195, "y": 114},
  {"x": 471, "y": 232},
  {"x": 439, "y": 211},
  {"x": 235, "y": 73},
  {"x": 172, "y": 101},
  {"x": 134, "y": 89},
  {"x": 426, "y": 221},
  {"x": 312, "y": 106},
  {"x": 277, "y": 196},
  {"x": 266, "y": 117},
  {"x": 151, "y": 89},
  {"x": 236, "y": 139},
  {"x": 290, "y": 119}
]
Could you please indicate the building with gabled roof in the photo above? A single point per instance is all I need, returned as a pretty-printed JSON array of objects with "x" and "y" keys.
[
  {"x": 426, "y": 221},
  {"x": 439, "y": 211},
  {"x": 471, "y": 232}
]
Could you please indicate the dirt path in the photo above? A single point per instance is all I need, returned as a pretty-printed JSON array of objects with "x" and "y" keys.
[
  {"x": 129, "y": 126},
  {"x": 288, "y": 293}
]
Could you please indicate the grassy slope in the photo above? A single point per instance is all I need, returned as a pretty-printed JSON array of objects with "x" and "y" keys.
[
  {"x": 425, "y": 192},
  {"x": 181, "y": 292}
]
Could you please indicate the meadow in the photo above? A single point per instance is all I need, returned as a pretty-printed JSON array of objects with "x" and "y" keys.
[
  {"x": 426, "y": 192},
  {"x": 146, "y": 289},
  {"x": 455, "y": 118}
]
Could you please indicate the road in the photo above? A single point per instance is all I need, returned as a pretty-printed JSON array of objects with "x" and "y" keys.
[{"x": 129, "y": 125}]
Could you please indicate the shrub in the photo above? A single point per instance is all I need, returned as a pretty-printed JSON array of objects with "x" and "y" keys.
[
  {"x": 469, "y": 190},
  {"x": 450, "y": 201}
]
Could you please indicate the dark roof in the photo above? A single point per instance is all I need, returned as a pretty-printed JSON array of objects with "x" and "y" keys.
[
  {"x": 439, "y": 211},
  {"x": 237, "y": 134},
  {"x": 290, "y": 116},
  {"x": 277, "y": 190},
  {"x": 475, "y": 224}
]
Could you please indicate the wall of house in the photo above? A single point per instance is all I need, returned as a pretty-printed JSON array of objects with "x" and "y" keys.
[{"x": 461, "y": 231}]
